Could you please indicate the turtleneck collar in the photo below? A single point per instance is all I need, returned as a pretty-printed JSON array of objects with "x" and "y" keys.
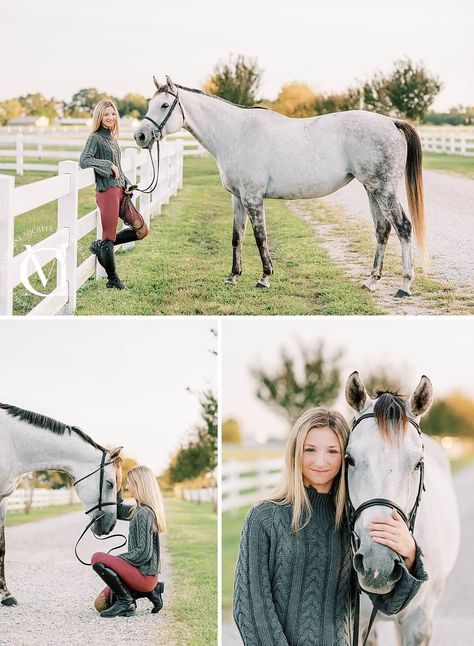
[
  {"x": 105, "y": 132},
  {"x": 322, "y": 503}
]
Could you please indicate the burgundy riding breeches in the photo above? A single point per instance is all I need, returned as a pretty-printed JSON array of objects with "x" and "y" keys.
[
  {"x": 109, "y": 205},
  {"x": 130, "y": 575}
]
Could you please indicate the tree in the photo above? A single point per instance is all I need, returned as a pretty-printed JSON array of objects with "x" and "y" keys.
[
  {"x": 231, "y": 433},
  {"x": 236, "y": 80},
  {"x": 199, "y": 456},
  {"x": 36, "y": 105},
  {"x": 10, "y": 109},
  {"x": 375, "y": 95},
  {"x": 290, "y": 394},
  {"x": 132, "y": 105},
  {"x": 295, "y": 100},
  {"x": 348, "y": 100},
  {"x": 443, "y": 420},
  {"x": 411, "y": 89},
  {"x": 84, "y": 101}
]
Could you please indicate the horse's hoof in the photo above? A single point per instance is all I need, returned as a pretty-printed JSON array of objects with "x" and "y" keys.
[
  {"x": 9, "y": 601},
  {"x": 369, "y": 288},
  {"x": 402, "y": 294},
  {"x": 261, "y": 284},
  {"x": 231, "y": 280}
]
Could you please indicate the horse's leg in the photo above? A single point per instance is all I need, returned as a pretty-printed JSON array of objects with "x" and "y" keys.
[
  {"x": 5, "y": 597},
  {"x": 256, "y": 214},
  {"x": 238, "y": 234},
  {"x": 382, "y": 232},
  {"x": 415, "y": 629},
  {"x": 391, "y": 208}
]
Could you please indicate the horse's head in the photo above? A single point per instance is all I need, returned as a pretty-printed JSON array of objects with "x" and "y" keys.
[
  {"x": 384, "y": 461},
  {"x": 97, "y": 489},
  {"x": 164, "y": 117}
]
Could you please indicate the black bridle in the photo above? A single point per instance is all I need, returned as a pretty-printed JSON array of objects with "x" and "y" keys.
[
  {"x": 353, "y": 514},
  {"x": 99, "y": 506},
  {"x": 157, "y": 134}
]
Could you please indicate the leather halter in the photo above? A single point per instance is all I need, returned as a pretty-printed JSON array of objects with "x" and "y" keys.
[
  {"x": 352, "y": 515},
  {"x": 99, "y": 506},
  {"x": 157, "y": 137}
]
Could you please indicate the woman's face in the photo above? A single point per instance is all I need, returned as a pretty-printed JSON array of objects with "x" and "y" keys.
[
  {"x": 131, "y": 488},
  {"x": 109, "y": 117},
  {"x": 322, "y": 459}
]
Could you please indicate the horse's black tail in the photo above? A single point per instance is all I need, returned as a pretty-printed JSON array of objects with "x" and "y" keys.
[{"x": 414, "y": 187}]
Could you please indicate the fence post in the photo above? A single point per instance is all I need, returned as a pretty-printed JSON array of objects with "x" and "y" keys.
[
  {"x": 7, "y": 229},
  {"x": 181, "y": 163},
  {"x": 67, "y": 219},
  {"x": 19, "y": 154}
]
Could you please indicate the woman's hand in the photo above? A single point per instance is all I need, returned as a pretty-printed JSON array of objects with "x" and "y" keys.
[
  {"x": 128, "y": 190},
  {"x": 394, "y": 533},
  {"x": 115, "y": 171}
]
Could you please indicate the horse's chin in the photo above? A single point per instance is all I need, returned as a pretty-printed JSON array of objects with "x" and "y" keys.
[
  {"x": 103, "y": 526},
  {"x": 382, "y": 588},
  {"x": 375, "y": 583}
]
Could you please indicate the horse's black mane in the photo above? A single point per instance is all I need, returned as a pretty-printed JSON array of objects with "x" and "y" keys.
[
  {"x": 390, "y": 412},
  {"x": 41, "y": 421},
  {"x": 165, "y": 88}
]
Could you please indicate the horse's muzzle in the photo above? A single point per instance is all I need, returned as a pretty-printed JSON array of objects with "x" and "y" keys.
[{"x": 377, "y": 576}]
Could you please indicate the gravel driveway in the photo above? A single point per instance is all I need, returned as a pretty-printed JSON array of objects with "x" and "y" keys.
[
  {"x": 449, "y": 207},
  {"x": 454, "y": 620},
  {"x": 55, "y": 592}
]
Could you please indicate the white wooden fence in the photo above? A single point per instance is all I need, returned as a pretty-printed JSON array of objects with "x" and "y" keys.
[
  {"x": 41, "y": 498},
  {"x": 203, "y": 494},
  {"x": 246, "y": 482},
  {"x": 443, "y": 140},
  {"x": 62, "y": 245},
  {"x": 40, "y": 146}
]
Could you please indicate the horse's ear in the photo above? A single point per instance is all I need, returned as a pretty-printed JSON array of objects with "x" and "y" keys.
[
  {"x": 356, "y": 395},
  {"x": 170, "y": 84},
  {"x": 422, "y": 397},
  {"x": 157, "y": 85},
  {"x": 114, "y": 453}
]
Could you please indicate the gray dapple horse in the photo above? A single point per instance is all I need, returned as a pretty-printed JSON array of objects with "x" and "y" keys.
[
  {"x": 33, "y": 442},
  {"x": 261, "y": 154},
  {"x": 384, "y": 453}
]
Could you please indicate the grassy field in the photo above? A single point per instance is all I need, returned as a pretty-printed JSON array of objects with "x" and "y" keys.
[
  {"x": 19, "y": 517},
  {"x": 454, "y": 164},
  {"x": 191, "y": 541}
]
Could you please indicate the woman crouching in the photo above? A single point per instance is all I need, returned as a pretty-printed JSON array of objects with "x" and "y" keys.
[{"x": 134, "y": 574}]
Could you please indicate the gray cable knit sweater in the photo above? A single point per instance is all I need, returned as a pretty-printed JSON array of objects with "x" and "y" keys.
[
  {"x": 143, "y": 538},
  {"x": 100, "y": 153},
  {"x": 294, "y": 590}
]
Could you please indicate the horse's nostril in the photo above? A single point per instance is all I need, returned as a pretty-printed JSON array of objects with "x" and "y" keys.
[
  {"x": 141, "y": 137},
  {"x": 359, "y": 563}
]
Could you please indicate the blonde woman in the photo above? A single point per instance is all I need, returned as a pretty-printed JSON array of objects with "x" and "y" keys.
[
  {"x": 293, "y": 584},
  {"x": 102, "y": 153},
  {"x": 134, "y": 574}
]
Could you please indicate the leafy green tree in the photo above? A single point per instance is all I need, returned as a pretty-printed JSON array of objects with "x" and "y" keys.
[
  {"x": 443, "y": 420},
  {"x": 375, "y": 94},
  {"x": 237, "y": 80},
  {"x": 411, "y": 89},
  {"x": 84, "y": 101},
  {"x": 231, "y": 433},
  {"x": 290, "y": 391},
  {"x": 10, "y": 109},
  {"x": 36, "y": 105},
  {"x": 132, "y": 105}
]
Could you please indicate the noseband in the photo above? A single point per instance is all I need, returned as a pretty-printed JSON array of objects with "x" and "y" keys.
[
  {"x": 353, "y": 514},
  {"x": 157, "y": 133},
  {"x": 99, "y": 506}
]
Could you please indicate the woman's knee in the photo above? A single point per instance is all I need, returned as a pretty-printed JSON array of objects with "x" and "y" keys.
[{"x": 99, "y": 557}]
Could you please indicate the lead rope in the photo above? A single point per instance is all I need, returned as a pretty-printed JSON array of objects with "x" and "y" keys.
[{"x": 99, "y": 538}]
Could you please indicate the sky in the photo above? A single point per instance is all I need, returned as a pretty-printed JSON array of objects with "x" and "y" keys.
[
  {"x": 50, "y": 46},
  {"x": 123, "y": 381},
  {"x": 439, "y": 347}
]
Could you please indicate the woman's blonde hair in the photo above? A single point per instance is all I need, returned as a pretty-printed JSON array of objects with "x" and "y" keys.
[
  {"x": 148, "y": 493},
  {"x": 98, "y": 115},
  {"x": 292, "y": 490}
]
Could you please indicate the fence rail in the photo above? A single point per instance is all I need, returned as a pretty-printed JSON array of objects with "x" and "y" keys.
[
  {"x": 62, "y": 245},
  {"x": 447, "y": 141},
  {"x": 41, "y": 498},
  {"x": 246, "y": 482}
]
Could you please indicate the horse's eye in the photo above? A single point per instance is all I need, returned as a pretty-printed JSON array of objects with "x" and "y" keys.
[
  {"x": 165, "y": 105},
  {"x": 110, "y": 484},
  {"x": 349, "y": 459}
]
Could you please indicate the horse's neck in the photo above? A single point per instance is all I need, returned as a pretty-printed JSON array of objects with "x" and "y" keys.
[
  {"x": 214, "y": 123},
  {"x": 39, "y": 449}
]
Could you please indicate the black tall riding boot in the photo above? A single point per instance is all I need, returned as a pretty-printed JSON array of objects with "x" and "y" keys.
[
  {"x": 105, "y": 256},
  {"x": 124, "y": 605},
  {"x": 126, "y": 235},
  {"x": 156, "y": 598}
]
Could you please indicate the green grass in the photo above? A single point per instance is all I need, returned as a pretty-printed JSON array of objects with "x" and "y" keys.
[
  {"x": 19, "y": 517},
  {"x": 449, "y": 163},
  {"x": 232, "y": 522},
  {"x": 191, "y": 540}
]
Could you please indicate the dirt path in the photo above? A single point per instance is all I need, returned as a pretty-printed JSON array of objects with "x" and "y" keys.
[
  {"x": 55, "y": 592},
  {"x": 449, "y": 206},
  {"x": 454, "y": 621}
]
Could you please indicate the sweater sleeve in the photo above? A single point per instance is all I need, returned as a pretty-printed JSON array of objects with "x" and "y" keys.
[
  {"x": 88, "y": 158},
  {"x": 405, "y": 589},
  {"x": 254, "y": 609},
  {"x": 143, "y": 551}
]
